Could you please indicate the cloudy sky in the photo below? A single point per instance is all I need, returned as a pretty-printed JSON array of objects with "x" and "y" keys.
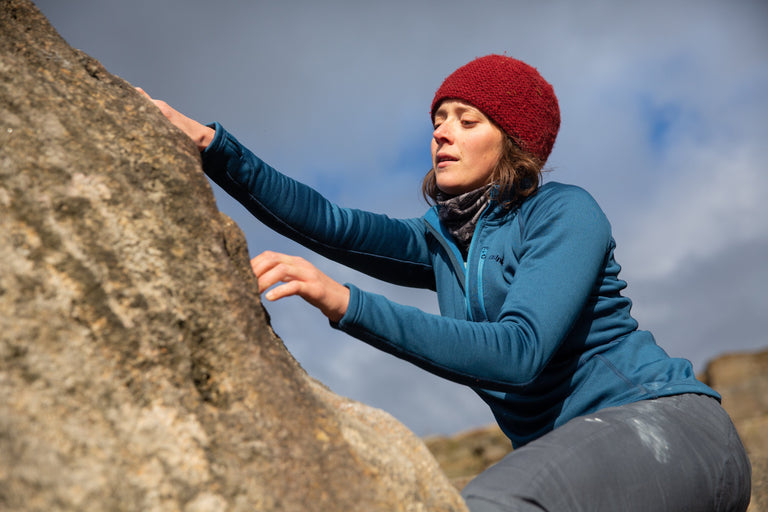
[{"x": 664, "y": 109}]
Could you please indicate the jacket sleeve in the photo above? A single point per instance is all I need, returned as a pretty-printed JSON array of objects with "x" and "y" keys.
[
  {"x": 389, "y": 249},
  {"x": 562, "y": 254}
]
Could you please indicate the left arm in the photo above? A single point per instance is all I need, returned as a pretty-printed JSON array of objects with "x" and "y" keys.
[
  {"x": 564, "y": 247},
  {"x": 562, "y": 255}
]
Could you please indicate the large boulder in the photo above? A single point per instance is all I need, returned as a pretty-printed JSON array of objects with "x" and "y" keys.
[{"x": 138, "y": 370}]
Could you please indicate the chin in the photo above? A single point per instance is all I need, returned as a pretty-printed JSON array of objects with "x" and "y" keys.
[
  {"x": 448, "y": 188},
  {"x": 452, "y": 190}
]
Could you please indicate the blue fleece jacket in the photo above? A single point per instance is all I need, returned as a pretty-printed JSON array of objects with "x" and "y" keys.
[{"x": 534, "y": 321}]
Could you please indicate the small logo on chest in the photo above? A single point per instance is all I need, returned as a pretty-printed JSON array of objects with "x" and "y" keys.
[{"x": 498, "y": 258}]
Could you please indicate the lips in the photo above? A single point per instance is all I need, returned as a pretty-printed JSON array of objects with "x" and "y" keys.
[{"x": 442, "y": 158}]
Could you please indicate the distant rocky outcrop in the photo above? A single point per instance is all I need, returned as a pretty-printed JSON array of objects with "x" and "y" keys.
[
  {"x": 138, "y": 370},
  {"x": 465, "y": 455},
  {"x": 741, "y": 379}
]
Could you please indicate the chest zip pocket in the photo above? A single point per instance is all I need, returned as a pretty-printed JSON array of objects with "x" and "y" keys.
[{"x": 479, "y": 289}]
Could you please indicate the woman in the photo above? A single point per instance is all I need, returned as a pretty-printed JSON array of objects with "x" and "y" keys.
[{"x": 532, "y": 316}]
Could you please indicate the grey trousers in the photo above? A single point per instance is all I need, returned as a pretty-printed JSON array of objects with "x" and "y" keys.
[{"x": 677, "y": 453}]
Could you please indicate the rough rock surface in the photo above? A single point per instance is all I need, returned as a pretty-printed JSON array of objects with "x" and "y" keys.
[{"x": 138, "y": 369}]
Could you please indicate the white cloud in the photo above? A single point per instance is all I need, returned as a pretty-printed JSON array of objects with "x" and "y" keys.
[{"x": 716, "y": 200}]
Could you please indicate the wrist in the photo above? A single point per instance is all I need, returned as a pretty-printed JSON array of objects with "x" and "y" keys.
[
  {"x": 204, "y": 138},
  {"x": 340, "y": 304}
]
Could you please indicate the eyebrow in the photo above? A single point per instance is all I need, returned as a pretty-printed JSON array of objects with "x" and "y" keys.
[{"x": 461, "y": 108}]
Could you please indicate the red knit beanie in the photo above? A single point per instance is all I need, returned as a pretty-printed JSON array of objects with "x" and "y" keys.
[{"x": 513, "y": 94}]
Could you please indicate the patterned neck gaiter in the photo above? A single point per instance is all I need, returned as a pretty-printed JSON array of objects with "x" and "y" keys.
[{"x": 459, "y": 214}]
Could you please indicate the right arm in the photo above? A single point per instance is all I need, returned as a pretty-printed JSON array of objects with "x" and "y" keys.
[
  {"x": 391, "y": 249},
  {"x": 385, "y": 248}
]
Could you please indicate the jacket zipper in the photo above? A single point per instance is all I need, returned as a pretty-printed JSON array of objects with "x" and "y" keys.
[
  {"x": 464, "y": 267},
  {"x": 478, "y": 271}
]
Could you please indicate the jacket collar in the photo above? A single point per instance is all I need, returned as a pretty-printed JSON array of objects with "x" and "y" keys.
[{"x": 441, "y": 234}]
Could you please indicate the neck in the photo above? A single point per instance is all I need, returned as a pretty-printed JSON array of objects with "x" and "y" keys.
[{"x": 460, "y": 214}]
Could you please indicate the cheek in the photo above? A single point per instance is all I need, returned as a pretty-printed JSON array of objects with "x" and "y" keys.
[
  {"x": 486, "y": 152},
  {"x": 492, "y": 151}
]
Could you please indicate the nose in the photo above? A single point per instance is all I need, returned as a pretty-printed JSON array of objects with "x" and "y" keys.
[{"x": 443, "y": 132}]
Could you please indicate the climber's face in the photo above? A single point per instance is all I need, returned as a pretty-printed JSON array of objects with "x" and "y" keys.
[{"x": 466, "y": 147}]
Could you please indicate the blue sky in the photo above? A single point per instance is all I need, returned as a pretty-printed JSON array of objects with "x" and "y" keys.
[{"x": 664, "y": 109}]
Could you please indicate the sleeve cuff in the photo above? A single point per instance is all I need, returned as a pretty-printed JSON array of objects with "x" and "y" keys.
[
  {"x": 353, "y": 309},
  {"x": 217, "y": 141},
  {"x": 216, "y": 155}
]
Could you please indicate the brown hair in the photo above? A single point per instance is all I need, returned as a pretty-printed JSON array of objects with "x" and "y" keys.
[{"x": 517, "y": 175}]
